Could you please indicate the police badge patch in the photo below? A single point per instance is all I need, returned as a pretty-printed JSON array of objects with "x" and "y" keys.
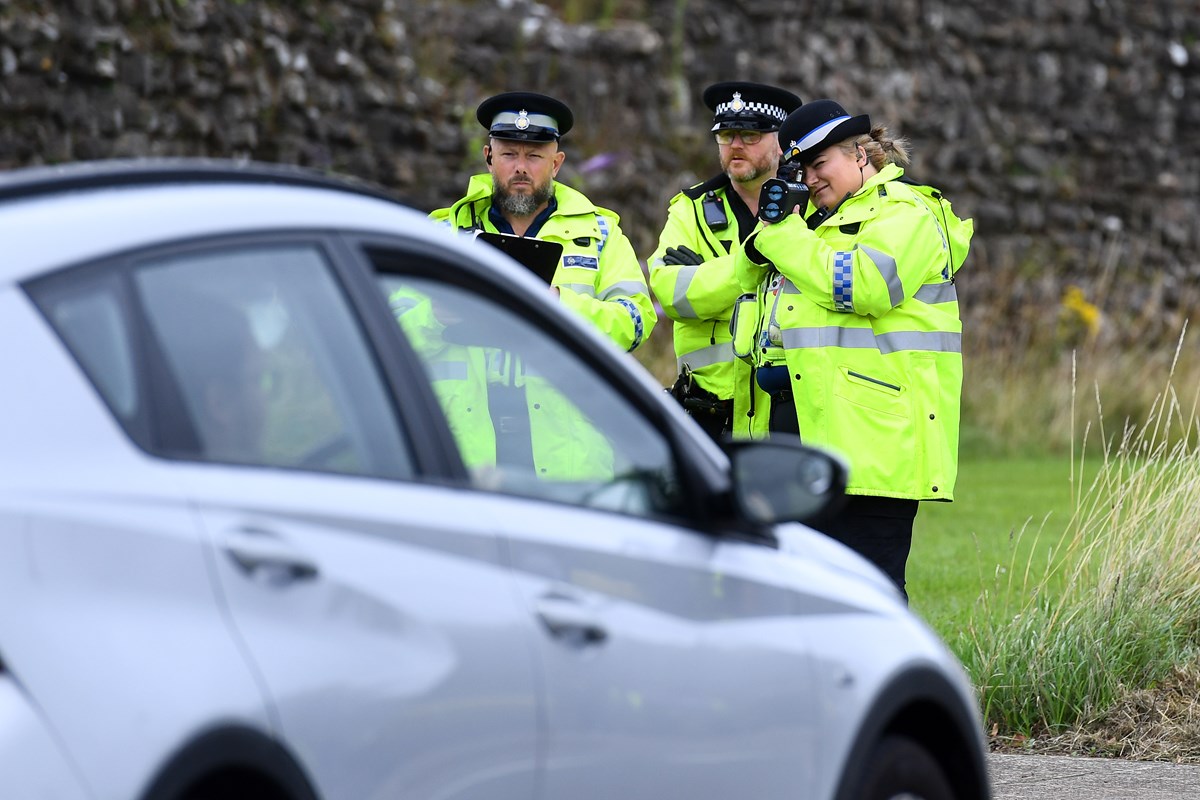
[{"x": 581, "y": 262}]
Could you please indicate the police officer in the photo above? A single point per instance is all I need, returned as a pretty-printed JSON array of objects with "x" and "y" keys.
[
  {"x": 860, "y": 340},
  {"x": 692, "y": 273},
  {"x": 599, "y": 276}
]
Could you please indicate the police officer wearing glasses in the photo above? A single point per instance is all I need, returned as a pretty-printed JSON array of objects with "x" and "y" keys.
[
  {"x": 692, "y": 270},
  {"x": 859, "y": 338}
]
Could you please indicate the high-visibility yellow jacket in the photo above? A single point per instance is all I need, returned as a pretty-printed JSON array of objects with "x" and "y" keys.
[
  {"x": 699, "y": 300},
  {"x": 458, "y": 374},
  {"x": 468, "y": 380},
  {"x": 863, "y": 312},
  {"x": 599, "y": 276}
]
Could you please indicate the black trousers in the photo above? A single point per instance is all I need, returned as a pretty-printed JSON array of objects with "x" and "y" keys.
[
  {"x": 783, "y": 414},
  {"x": 878, "y": 528}
]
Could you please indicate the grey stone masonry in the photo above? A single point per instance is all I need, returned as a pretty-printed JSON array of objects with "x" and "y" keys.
[{"x": 1066, "y": 128}]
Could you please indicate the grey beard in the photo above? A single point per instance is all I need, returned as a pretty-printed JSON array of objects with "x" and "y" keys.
[
  {"x": 522, "y": 205},
  {"x": 755, "y": 173}
]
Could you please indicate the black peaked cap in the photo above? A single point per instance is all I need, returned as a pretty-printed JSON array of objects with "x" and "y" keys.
[
  {"x": 742, "y": 105},
  {"x": 817, "y": 125},
  {"x": 525, "y": 116}
]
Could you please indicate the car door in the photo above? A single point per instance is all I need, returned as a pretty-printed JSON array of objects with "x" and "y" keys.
[
  {"x": 374, "y": 605},
  {"x": 674, "y": 659},
  {"x": 110, "y": 629}
]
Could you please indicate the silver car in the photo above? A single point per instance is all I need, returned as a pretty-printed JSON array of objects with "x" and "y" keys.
[{"x": 302, "y": 496}]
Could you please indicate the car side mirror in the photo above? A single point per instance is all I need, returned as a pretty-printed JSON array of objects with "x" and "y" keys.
[{"x": 785, "y": 481}]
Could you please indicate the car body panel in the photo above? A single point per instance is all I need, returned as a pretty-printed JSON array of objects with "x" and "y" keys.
[
  {"x": 695, "y": 675},
  {"x": 401, "y": 663},
  {"x": 31, "y": 760}
]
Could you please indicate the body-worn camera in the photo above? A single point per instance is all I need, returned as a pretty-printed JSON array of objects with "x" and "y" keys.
[{"x": 779, "y": 195}]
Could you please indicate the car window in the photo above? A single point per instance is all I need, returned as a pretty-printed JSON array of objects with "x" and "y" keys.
[
  {"x": 529, "y": 414},
  {"x": 95, "y": 328},
  {"x": 253, "y": 355},
  {"x": 273, "y": 367}
]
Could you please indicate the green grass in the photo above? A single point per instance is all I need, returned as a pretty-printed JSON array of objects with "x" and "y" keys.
[
  {"x": 1006, "y": 525},
  {"x": 1118, "y": 615},
  {"x": 1066, "y": 587}
]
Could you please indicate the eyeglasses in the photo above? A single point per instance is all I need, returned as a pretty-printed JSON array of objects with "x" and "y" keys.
[{"x": 747, "y": 137}]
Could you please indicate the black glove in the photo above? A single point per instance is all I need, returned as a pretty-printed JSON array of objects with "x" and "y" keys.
[{"x": 682, "y": 256}]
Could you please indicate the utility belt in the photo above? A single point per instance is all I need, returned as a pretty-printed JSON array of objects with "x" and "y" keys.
[
  {"x": 710, "y": 412},
  {"x": 700, "y": 402},
  {"x": 776, "y": 380}
]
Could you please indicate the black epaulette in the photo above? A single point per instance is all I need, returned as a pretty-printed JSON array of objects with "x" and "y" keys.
[
  {"x": 936, "y": 194},
  {"x": 712, "y": 184}
]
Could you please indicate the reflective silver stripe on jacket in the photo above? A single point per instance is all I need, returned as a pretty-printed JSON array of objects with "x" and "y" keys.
[
  {"x": 867, "y": 339},
  {"x": 887, "y": 269},
  {"x": 619, "y": 289},
  {"x": 683, "y": 307},
  {"x": 624, "y": 289},
  {"x": 706, "y": 356},
  {"x": 933, "y": 293},
  {"x": 447, "y": 370},
  {"x": 771, "y": 335},
  {"x": 402, "y": 305},
  {"x": 947, "y": 271},
  {"x": 585, "y": 289}
]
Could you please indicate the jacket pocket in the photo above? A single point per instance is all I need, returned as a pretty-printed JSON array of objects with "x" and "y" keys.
[{"x": 873, "y": 391}]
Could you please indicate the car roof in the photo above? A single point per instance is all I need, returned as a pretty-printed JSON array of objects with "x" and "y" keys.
[
  {"x": 56, "y": 216},
  {"x": 33, "y": 181}
]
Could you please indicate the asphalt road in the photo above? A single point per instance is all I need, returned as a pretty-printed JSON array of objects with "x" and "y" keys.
[{"x": 1068, "y": 778}]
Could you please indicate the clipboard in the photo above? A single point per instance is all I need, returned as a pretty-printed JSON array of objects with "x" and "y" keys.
[{"x": 537, "y": 255}]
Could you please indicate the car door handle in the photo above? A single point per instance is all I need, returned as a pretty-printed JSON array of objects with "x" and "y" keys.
[
  {"x": 263, "y": 554},
  {"x": 566, "y": 618}
]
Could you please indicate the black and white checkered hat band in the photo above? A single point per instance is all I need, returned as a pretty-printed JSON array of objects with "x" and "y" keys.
[{"x": 754, "y": 108}]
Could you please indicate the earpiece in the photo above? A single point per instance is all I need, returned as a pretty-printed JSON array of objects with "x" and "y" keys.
[
  {"x": 488, "y": 158},
  {"x": 863, "y": 155}
]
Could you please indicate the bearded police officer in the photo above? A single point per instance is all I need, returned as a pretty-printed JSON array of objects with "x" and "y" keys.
[
  {"x": 530, "y": 427},
  {"x": 599, "y": 276},
  {"x": 692, "y": 272}
]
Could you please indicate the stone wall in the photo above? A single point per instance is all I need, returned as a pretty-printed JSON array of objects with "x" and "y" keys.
[{"x": 1066, "y": 128}]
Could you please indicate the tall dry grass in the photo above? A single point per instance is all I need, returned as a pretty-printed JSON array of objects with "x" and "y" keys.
[
  {"x": 1020, "y": 401},
  {"x": 1118, "y": 609}
]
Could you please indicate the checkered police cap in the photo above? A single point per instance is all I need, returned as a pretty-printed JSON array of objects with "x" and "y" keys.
[{"x": 741, "y": 105}]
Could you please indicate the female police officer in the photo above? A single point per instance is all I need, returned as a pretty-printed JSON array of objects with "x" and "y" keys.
[{"x": 859, "y": 332}]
